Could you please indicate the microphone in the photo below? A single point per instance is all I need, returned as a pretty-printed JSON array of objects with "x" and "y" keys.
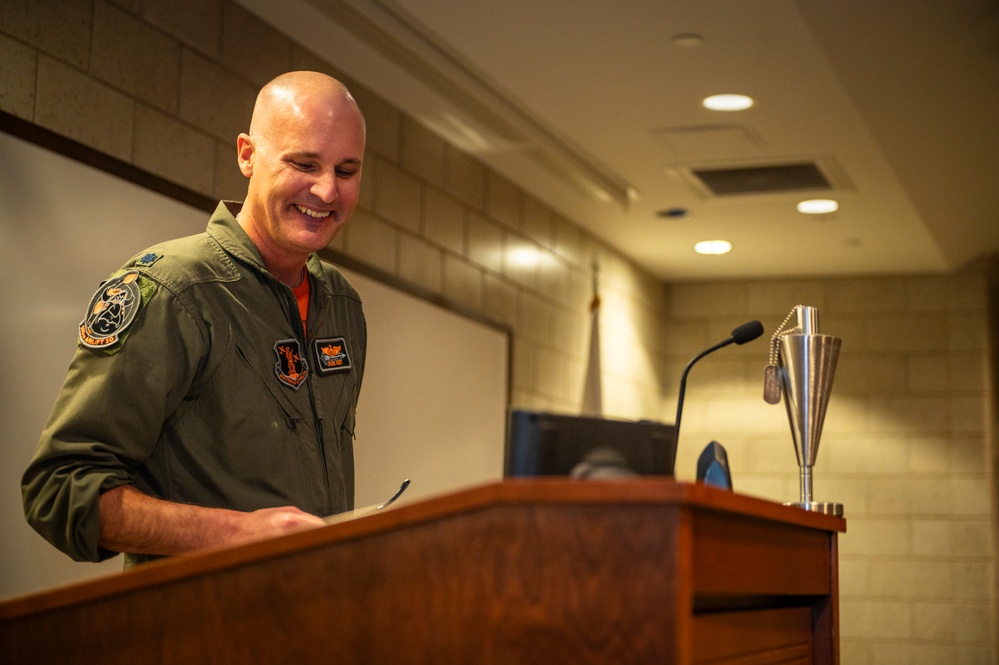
[{"x": 747, "y": 332}]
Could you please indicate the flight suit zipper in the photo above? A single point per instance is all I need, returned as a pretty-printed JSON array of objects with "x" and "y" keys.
[{"x": 292, "y": 304}]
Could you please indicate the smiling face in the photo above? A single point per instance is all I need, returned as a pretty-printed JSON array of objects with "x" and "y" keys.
[{"x": 303, "y": 158}]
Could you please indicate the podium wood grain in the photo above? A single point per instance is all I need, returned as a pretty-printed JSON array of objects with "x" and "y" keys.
[{"x": 538, "y": 571}]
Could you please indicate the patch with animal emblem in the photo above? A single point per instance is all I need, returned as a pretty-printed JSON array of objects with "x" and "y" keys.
[
  {"x": 331, "y": 355},
  {"x": 291, "y": 368},
  {"x": 112, "y": 310}
]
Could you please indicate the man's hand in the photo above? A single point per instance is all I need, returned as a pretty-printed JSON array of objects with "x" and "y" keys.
[
  {"x": 132, "y": 521},
  {"x": 271, "y": 522}
]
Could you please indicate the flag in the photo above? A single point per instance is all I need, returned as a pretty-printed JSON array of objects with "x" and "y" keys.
[{"x": 592, "y": 403}]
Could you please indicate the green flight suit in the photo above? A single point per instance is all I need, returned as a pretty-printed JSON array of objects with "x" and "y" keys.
[{"x": 211, "y": 395}]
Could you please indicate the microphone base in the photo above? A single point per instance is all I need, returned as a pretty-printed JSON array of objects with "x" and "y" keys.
[{"x": 823, "y": 507}]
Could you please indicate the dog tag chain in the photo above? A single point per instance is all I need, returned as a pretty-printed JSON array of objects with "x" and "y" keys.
[{"x": 771, "y": 375}]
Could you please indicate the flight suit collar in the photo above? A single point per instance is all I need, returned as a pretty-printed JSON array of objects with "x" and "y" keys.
[{"x": 226, "y": 231}]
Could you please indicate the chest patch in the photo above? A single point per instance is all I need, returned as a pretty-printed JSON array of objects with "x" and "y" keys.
[
  {"x": 111, "y": 311},
  {"x": 331, "y": 355},
  {"x": 291, "y": 368}
]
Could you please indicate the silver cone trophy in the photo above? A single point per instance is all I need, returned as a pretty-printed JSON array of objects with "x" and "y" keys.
[{"x": 807, "y": 367}]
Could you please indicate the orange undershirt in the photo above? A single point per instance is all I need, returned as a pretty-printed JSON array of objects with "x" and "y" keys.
[{"x": 302, "y": 295}]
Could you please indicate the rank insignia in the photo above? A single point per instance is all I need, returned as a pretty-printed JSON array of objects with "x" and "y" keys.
[
  {"x": 112, "y": 310},
  {"x": 148, "y": 259},
  {"x": 331, "y": 355},
  {"x": 291, "y": 368}
]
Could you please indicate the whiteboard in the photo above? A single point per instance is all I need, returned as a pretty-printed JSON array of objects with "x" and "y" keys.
[
  {"x": 433, "y": 401},
  {"x": 434, "y": 398}
]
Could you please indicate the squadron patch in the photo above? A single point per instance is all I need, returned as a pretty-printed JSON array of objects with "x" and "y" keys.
[
  {"x": 291, "y": 368},
  {"x": 331, "y": 355},
  {"x": 112, "y": 310}
]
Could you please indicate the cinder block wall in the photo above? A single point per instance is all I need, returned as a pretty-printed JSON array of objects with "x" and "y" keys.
[
  {"x": 906, "y": 446},
  {"x": 167, "y": 86}
]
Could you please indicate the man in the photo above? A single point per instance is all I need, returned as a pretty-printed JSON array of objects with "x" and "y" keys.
[{"x": 211, "y": 400}]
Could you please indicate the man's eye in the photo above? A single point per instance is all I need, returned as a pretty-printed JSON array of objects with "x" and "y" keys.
[
  {"x": 346, "y": 173},
  {"x": 302, "y": 166}
]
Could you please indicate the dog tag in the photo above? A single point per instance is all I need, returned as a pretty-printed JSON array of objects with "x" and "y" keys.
[{"x": 771, "y": 385}]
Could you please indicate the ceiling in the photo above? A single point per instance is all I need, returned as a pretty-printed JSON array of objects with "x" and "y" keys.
[{"x": 595, "y": 108}]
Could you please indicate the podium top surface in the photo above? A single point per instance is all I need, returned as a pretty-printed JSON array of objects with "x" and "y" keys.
[{"x": 645, "y": 491}]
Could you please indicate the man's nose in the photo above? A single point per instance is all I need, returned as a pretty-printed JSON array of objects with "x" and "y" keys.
[{"x": 325, "y": 187}]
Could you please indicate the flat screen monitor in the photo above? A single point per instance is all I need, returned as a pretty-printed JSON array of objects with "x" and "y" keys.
[{"x": 547, "y": 444}]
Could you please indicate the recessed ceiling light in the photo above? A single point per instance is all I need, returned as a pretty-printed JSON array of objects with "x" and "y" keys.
[
  {"x": 713, "y": 247},
  {"x": 687, "y": 40},
  {"x": 728, "y": 102},
  {"x": 818, "y": 206}
]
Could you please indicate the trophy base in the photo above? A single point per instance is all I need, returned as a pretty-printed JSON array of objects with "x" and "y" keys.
[{"x": 820, "y": 507}]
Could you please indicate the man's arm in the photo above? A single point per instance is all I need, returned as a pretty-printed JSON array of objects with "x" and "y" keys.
[{"x": 134, "y": 522}]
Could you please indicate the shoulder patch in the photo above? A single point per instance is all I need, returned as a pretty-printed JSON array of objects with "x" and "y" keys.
[{"x": 111, "y": 311}]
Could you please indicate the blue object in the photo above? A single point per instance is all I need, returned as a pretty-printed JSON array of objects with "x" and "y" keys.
[{"x": 712, "y": 467}]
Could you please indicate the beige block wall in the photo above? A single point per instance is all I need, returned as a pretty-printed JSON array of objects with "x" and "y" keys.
[
  {"x": 167, "y": 85},
  {"x": 906, "y": 446}
]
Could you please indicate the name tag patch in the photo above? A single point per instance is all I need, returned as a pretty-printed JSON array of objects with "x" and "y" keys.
[
  {"x": 331, "y": 355},
  {"x": 112, "y": 310},
  {"x": 291, "y": 368}
]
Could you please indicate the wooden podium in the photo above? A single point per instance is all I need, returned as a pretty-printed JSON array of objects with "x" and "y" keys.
[{"x": 528, "y": 571}]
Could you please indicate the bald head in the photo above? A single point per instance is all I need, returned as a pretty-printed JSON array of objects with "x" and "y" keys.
[{"x": 298, "y": 96}]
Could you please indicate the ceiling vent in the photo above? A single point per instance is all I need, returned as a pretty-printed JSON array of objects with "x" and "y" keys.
[{"x": 762, "y": 179}]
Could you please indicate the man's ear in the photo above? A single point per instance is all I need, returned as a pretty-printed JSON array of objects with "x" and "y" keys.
[{"x": 244, "y": 154}]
